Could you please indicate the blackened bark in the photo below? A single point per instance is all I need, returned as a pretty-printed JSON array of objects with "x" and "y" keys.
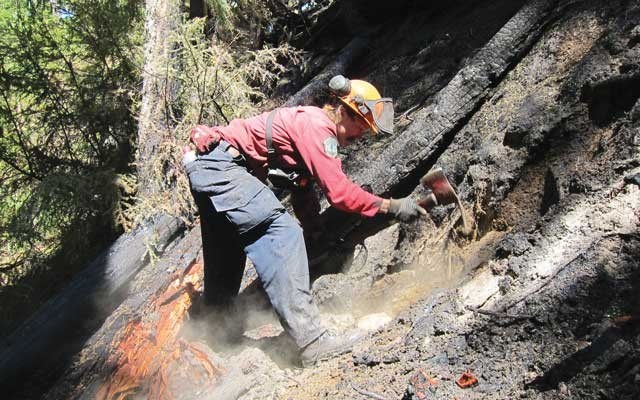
[
  {"x": 317, "y": 87},
  {"x": 84, "y": 377},
  {"x": 408, "y": 156},
  {"x": 40, "y": 343}
]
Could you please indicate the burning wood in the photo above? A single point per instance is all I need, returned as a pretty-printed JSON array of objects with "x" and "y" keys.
[{"x": 151, "y": 359}]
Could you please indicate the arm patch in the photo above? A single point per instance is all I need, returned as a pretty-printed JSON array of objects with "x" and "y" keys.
[{"x": 331, "y": 146}]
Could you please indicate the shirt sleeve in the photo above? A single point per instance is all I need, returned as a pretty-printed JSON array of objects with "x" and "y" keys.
[{"x": 327, "y": 170}]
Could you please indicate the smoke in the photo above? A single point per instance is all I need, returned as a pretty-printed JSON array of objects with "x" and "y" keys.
[
  {"x": 395, "y": 292},
  {"x": 249, "y": 322},
  {"x": 440, "y": 264}
]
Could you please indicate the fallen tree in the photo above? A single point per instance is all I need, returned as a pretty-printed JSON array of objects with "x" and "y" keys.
[
  {"x": 43, "y": 339},
  {"x": 139, "y": 350},
  {"x": 155, "y": 309},
  {"x": 490, "y": 156},
  {"x": 411, "y": 153}
]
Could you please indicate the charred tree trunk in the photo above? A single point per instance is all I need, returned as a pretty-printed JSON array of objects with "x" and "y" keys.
[
  {"x": 317, "y": 87},
  {"x": 411, "y": 153},
  {"x": 139, "y": 350},
  {"x": 42, "y": 343},
  {"x": 157, "y": 301}
]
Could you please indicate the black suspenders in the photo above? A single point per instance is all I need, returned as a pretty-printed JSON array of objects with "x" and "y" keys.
[
  {"x": 277, "y": 176},
  {"x": 271, "y": 152}
]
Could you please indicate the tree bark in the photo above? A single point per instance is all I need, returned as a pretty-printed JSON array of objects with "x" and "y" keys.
[
  {"x": 160, "y": 302},
  {"x": 40, "y": 342},
  {"x": 317, "y": 87},
  {"x": 410, "y": 154},
  {"x": 162, "y": 18}
]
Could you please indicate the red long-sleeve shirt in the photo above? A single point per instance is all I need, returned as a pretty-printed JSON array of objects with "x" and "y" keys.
[{"x": 302, "y": 138}]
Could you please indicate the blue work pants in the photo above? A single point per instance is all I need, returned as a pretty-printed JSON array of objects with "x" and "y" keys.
[{"x": 241, "y": 217}]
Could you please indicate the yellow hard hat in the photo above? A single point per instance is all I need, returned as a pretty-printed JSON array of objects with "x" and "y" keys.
[{"x": 365, "y": 100}]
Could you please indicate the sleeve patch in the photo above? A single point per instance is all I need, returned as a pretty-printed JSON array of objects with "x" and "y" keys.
[{"x": 331, "y": 147}]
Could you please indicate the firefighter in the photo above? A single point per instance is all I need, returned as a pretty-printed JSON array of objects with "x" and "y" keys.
[{"x": 241, "y": 217}]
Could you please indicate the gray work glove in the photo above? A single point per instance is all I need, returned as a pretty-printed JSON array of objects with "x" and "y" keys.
[{"x": 406, "y": 209}]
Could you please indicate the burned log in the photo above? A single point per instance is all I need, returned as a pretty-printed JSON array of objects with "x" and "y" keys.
[
  {"x": 489, "y": 158},
  {"x": 318, "y": 85},
  {"x": 139, "y": 350},
  {"x": 161, "y": 300},
  {"x": 411, "y": 153},
  {"x": 42, "y": 340}
]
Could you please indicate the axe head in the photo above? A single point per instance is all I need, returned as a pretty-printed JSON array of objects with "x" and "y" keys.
[{"x": 436, "y": 181}]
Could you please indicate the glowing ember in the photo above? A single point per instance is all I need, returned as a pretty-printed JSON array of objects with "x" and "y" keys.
[
  {"x": 152, "y": 361},
  {"x": 467, "y": 380}
]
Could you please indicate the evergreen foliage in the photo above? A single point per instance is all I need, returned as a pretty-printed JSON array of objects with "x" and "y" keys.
[{"x": 67, "y": 81}]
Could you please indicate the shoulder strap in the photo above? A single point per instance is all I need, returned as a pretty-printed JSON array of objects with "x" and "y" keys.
[{"x": 271, "y": 152}]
